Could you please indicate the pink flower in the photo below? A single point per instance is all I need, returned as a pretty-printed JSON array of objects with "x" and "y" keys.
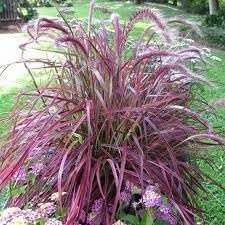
[
  {"x": 166, "y": 217},
  {"x": 166, "y": 209},
  {"x": 46, "y": 209},
  {"x": 20, "y": 175},
  {"x": 97, "y": 206},
  {"x": 53, "y": 222},
  {"x": 130, "y": 186},
  {"x": 164, "y": 212},
  {"x": 125, "y": 196},
  {"x": 36, "y": 168},
  {"x": 151, "y": 198}
]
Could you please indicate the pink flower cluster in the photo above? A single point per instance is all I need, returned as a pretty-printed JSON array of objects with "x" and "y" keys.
[
  {"x": 126, "y": 194},
  {"x": 37, "y": 168},
  {"x": 92, "y": 217},
  {"x": 15, "y": 215},
  {"x": 46, "y": 209},
  {"x": 22, "y": 174},
  {"x": 151, "y": 198}
]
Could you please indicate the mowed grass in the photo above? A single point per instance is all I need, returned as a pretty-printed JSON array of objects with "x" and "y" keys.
[
  {"x": 124, "y": 9},
  {"x": 214, "y": 202}
]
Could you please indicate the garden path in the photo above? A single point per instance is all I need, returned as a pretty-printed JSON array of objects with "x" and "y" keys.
[{"x": 9, "y": 53}]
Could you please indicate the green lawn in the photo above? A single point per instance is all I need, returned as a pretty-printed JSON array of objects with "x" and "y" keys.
[
  {"x": 214, "y": 202},
  {"x": 124, "y": 9}
]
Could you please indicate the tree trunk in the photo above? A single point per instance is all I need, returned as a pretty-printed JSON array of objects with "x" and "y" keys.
[{"x": 213, "y": 7}]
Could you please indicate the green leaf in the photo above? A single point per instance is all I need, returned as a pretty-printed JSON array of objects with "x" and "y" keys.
[
  {"x": 32, "y": 178},
  {"x": 60, "y": 212},
  {"x": 130, "y": 219},
  {"x": 40, "y": 222},
  {"x": 17, "y": 191},
  {"x": 160, "y": 222},
  {"x": 147, "y": 218}
]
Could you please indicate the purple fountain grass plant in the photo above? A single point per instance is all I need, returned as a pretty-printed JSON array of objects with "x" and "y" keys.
[{"x": 108, "y": 117}]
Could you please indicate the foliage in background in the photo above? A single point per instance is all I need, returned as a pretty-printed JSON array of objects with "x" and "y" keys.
[
  {"x": 210, "y": 36},
  {"x": 50, "y": 3},
  {"x": 2, "y": 5},
  {"x": 196, "y": 6},
  {"x": 216, "y": 20},
  {"x": 118, "y": 113},
  {"x": 26, "y": 10}
]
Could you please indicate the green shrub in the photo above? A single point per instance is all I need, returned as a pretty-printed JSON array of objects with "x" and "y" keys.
[
  {"x": 28, "y": 12},
  {"x": 50, "y": 3},
  {"x": 47, "y": 3},
  {"x": 211, "y": 36},
  {"x": 214, "y": 36},
  {"x": 2, "y": 5},
  {"x": 195, "y": 6},
  {"x": 67, "y": 3},
  {"x": 216, "y": 20}
]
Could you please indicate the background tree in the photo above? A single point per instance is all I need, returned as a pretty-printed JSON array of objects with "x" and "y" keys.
[{"x": 214, "y": 7}]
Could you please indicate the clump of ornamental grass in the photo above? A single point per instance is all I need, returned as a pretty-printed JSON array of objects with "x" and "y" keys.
[{"x": 114, "y": 112}]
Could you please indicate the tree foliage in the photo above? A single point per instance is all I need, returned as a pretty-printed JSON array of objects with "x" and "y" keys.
[{"x": 2, "y": 5}]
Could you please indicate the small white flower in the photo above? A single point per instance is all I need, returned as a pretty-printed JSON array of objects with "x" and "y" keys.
[
  {"x": 19, "y": 221},
  {"x": 215, "y": 58},
  {"x": 206, "y": 50},
  {"x": 194, "y": 60},
  {"x": 189, "y": 40},
  {"x": 10, "y": 211},
  {"x": 55, "y": 196}
]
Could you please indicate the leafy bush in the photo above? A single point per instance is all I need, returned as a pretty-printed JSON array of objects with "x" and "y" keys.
[
  {"x": 214, "y": 36},
  {"x": 42, "y": 3},
  {"x": 47, "y": 3},
  {"x": 28, "y": 12},
  {"x": 216, "y": 20},
  {"x": 50, "y": 3},
  {"x": 68, "y": 3},
  {"x": 195, "y": 6},
  {"x": 116, "y": 111},
  {"x": 2, "y": 5},
  {"x": 211, "y": 36}
]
